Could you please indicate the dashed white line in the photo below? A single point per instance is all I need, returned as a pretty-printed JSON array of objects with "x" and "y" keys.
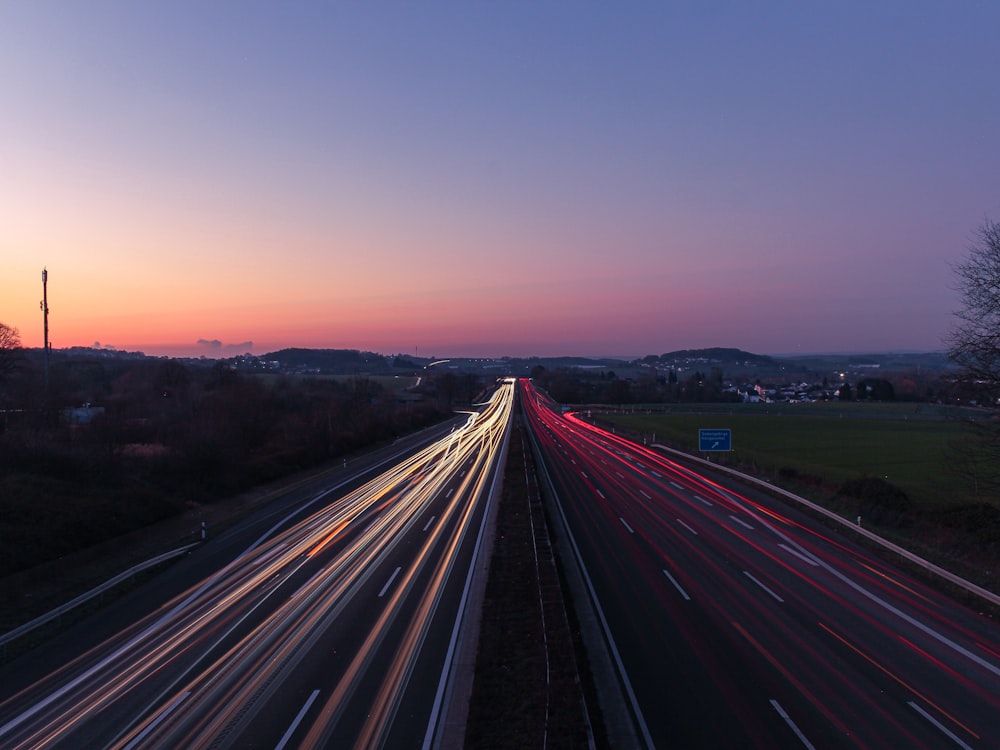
[
  {"x": 791, "y": 724},
  {"x": 296, "y": 721},
  {"x": 389, "y": 582},
  {"x": 750, "y": 575},
  {"x": 625, "y": 524},
  {"x": 676, "y": 585},
  {"x": 939, "y": 725},
  {"x": 656, "y": 474},
  {"x": 741, "y": 522},
  {"x": 601, "y": 494},
  {"x": 687, "y": 527},
  {"x": 805, "y": 558},
  {"x": 676, "y": 486},
  {"x": 428, "y": 524},
  {"x": 584, "y": 475},
  {"x": 620, "y": 474},
  {"x": 137, "y": 740},
  {"x": 449, "y": 493},
  {"x": 700, "y": 499},
  {"x": 648, "y": 497}
]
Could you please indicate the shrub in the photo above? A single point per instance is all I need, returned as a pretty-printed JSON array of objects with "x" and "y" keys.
[
  {"x": 982, "y": 520},
  {"x": 878, "y": 500}
]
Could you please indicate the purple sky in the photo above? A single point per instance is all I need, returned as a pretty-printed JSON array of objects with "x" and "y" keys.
[{"x": 467, "y": 179}]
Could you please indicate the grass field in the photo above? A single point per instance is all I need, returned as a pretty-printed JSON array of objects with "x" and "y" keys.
[{"x": 905, "y": 444}]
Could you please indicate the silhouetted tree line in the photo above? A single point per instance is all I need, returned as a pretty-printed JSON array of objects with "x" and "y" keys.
[
  {"x": 655, "y": 386},
  {"x": 118, "y": 443}
]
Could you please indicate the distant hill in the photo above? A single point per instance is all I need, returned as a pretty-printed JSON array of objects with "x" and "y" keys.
[
  {"x": 717, "y": 356},
  {"x": 326, "y": 360}
]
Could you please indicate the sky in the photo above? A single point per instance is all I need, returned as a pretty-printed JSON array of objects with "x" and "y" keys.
[{"x": 461, "y": 179}]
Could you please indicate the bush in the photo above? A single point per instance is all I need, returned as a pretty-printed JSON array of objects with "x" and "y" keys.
[
  {"x": 878, "y": 500},
  {"x": 982, "y": 520}
]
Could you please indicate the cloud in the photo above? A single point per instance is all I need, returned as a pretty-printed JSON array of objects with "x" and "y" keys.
[{"x": 214, "y": 347}]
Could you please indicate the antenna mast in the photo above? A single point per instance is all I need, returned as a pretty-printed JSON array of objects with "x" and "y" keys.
[{"x": 45, "y": 316}]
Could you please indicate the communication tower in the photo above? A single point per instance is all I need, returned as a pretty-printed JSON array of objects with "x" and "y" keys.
[{"x": 45, "y": 317}]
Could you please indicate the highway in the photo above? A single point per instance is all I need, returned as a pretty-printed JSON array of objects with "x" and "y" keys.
[
  {"x": 733, "y": 620},
  {"x": 336, "y": 630}
]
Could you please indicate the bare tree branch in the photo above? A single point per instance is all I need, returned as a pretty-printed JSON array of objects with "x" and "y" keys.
[
  {"x": 10, "y": 349},
  {"x": 975, "y": 338}
]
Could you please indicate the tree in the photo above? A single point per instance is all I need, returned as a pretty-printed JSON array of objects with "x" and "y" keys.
[
  {"x": 975, "y": 346},
  {"x": 975, "y": 338},
  {"x": 10, "y": 349}
]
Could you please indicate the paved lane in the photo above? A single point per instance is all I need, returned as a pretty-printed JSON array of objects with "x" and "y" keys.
[{"x": 741, "y": 623}]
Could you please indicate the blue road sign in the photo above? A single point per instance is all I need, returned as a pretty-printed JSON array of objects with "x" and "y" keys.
[{"x": 715, "y": 440}]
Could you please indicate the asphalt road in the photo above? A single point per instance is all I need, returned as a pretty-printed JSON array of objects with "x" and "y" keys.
[
  {"x": 737, "y": 622},
  {"x": 327, "y": 622}
]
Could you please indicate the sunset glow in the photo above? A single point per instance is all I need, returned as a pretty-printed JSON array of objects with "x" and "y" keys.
[{"x": 472, "y": 181}]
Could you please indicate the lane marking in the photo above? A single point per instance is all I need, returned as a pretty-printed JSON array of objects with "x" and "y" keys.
[
  {"x": 584, "y": 475},
  {"x": 428, "y": 524},
  {"x": 687, "y": 527},
  {"x": 700, "y": 499},
  {"x": 648, "y": 497},
  {"x": 155, "y": 723},
  {"x": 790, "y": 723},
  {"x": 676, "y": 486},
  {"x": 449, "y": 493},
  {"x": 799, "y": 685},
  {"x": 389, "y": 582},
  {"x": 657, "y": 474},
  {"x": 926, "y": 629},
  {"x": 750, "y": 575},
  {"x": 447, "y": 678},
  {"x": 267, "y": 557},
  {"x": 296, "y": 721},
  {"x": 741, "y": 522},
  {"x": 625, "y": 523},
  {"x": 620, "y": 474},
  {"x": 676, "y": 585},
  {"x": 893, "y": 675},
  {"x": 805, "y": 558},
  {"x": 601, "y": 494},
  {"x": 903, "y": 586},
  {"x": 939, "y": 725}
]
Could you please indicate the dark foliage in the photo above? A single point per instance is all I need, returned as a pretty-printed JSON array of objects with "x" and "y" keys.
[
  {"x": 982, "y": 520},
  {"x": 160, "y": 435},
  {"x": 325, "y": 360},
  {"x": 883, "y": 502}
]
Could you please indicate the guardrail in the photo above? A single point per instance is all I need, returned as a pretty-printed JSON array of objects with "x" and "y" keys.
[
  {"x": 947, "y": 575},
  {"x": 58, "y": 612}
]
